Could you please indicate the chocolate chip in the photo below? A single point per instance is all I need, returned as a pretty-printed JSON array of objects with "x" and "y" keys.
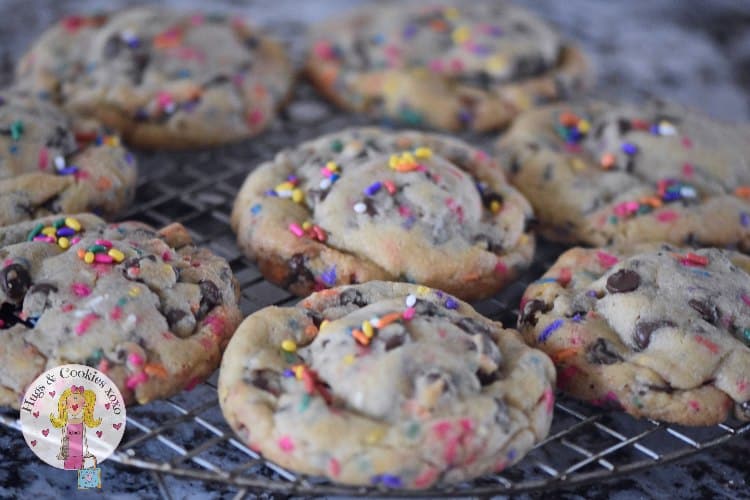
[
  {"x": 426, "y": 308},
  {"x": 265, "y": 380},
  {"x": 472, "y": 326},
  {"x": 16, "y": 280},
  {"x": 299, "y": 271},
  {"x": 623, "y": 281},
  {"x": 602, "y": 352},
  {"x": 708, "y": 311},
  {"x": 623, "y": 125},
  {"x": 528, "y": 315},
  {"x": 370, "y": 208},
  {"x": 644, "y": 329},
  {"x": 174, "y": 316},
  {"x": 351, "y": 296},
  {"x": 45, "y": 288},
  {"x": 315, "y": 316},
  {"x": 210, "y": 297},
  {"x": 488, "y": 197},
  {"x": 9, "y": 316},
  {"x": 395, "y": 341},
  {"x": 486, "y": 378},
  {"x": 662, "y": 388}
]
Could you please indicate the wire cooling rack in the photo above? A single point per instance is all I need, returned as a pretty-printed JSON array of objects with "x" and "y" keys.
[{"x": 186, "y": 436}]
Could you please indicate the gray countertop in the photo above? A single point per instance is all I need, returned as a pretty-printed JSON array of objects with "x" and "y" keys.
[{"x": 690, "y": 51}]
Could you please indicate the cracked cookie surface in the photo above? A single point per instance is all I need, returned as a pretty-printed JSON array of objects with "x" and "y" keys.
[
  {"x": 147, "y": 308},
  {"x": 164, "y": 79},
  {"x": 602, "y": 173},
  {"x": 46, "y": 167},
  {"x": 658, "y": 331},
  {"x": 452, "y": 65},
  {"x": 385, "y": 383},
  {"x": 365, "y": 204}
]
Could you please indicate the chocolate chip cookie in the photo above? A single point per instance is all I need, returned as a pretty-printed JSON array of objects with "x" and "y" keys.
[
  {"x": 452, "y": 65},
  {"x": 164, "y": 79},
  {"x": 601, "y": 173},
  {"x": 147, "y": 308},
  {"x": 46, "y": 167},
  {"x": 657, "y": 331},
  {"x": 387, "y": 384},
  {"x": 369, "y": 204}
]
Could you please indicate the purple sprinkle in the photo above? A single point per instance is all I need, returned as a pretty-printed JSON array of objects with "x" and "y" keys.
[
  {"x": 409, "y": 31},
  {"x": 68, "y": 170},
  {"x": 451, "y": 303},
  {"x": 512, "y": 454},
  {"x": 481, "y": 49},
  {"x": 439, "y": 293},
  {"x": 388, "y": 480},
  {"x": 329, "y": 276},
  {"x": 189, "y": 106},
  {"x": 591, "y": 293},
  {"x": 129, "y": 158},
  {"x": 65, "y": 231},
  {"x": 549, "y": 329},
  {"x": 671, "y": 196},
  {"x": 465, "y": 116},
  {"x": 292, "y": 179},
  {"x": 577, "y": 318},
  {"x": 373, "y": 188},
  {"x": 495, "y": 30},
  {"x": 745, "y": 219},
  {"x": 655, "y": 129},
  {"x": 408, "y": 222},
  {"x": 270, "y": 192},
  {"x": 629, "y": 148},
  {"x": 256, "y": 208},
  {"x": 288, "y": 373}
]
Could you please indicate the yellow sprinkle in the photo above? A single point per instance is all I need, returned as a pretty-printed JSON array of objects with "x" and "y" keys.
[
  {"x": 117, "y": 255},
  {"x": 349, "y": 359},
  {"x": 374, "y": 436},
  {"x": 583, "y": 126},
  {"x": 306, "y": 225},
  {"x": 298, "y": 196},
  {"x": 367, "y": 329},
  {"x": 73, "y": 223},
  {"x": 332, "y": 166},
  {"x": 423, "y": 153},
  {"x": 394, "y": 161},
  {"x": 523, "y": 239},
  {"x": 88, "y": 257},
  {"x": 497, "y": 64},
  {"x": 461, "y": 35},
  {"x": 407, "y": 158},
  {"x": 298, "y": 370},
  {"x": 63, "y": 242},
  {"x": 284, "y": 186},
  {"x": 495, "y": 206},
  {"x": 578, "y": 164},
  {"x": 49, "y": 231},
  {"x": 422, "y": 290},
  {"x": 323, "y": 324},
  {"x": 112, "y": 140},
  {"x": 134, "y": 291},
  {"x": 289, "y": 345},
  {"x": 451, "y": 13}
]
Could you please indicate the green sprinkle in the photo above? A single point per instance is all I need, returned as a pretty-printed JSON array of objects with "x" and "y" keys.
[
  {"x": 304, "y": 403},
  {"x": 337, "y": 146},
  {"x": 410, "y": 116},
  {"x": 16, "y": 129},
  {"x": 97, "y": 248},
  {"x": 290, "y": 357},
  {"x": 613, "y": 219},
  {"x": 59, "y": 223},
  {"x": 746, "y": 334},
  {"x": 122, "y": 301},
  {"x": 413, "y": 430},
  {"x": 95, "y": 357},
  {"x": 34, "y": 232}
]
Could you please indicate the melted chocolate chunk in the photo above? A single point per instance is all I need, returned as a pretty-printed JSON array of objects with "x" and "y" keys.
[
  {"x": 370, "y": 207},
  {"x": 16, "y": 280},
  {"x": 528, "y": 315},
  {"x": 299, "y": 273},
  {"x": 9, "y": 316},
  {"x": 662, "y": 388},
  {"x": 174, "y": 316},
  {"x": 352, "y": 296},
  {"x": 473, "y": 327},
  {"x": 427, "y": 308},
  {"x": 644, "y": 329},
  {"x": 211, "y": 297},
  {"x": 602, "y": 352},
  {"x": 488, "y": 197},
  {"x": 623, "y": 281},
  {"x": 486, "y": 378},
  {"x": 624, "y": 126},
  {"x": 708, "y": 311},
  {"x": 265, "y": 380},
  {"x": 315, "y": 316}
]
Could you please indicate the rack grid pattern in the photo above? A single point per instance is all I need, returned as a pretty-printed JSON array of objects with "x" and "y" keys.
[{"x": 186, "y": 435}]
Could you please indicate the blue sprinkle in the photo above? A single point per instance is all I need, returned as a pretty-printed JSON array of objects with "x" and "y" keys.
[
  {"x": 512, "y": 454},
  {"x": 409, "y": 222},
  {"x": 655, "y": 129},
  {"x": 409, "y": 31},
  {"x": 129, "y": 158},
  {"x": 745, "y": 219},
  {"x": 270, "y": 192},
  {"x": 629, "y": 148},
  {"x": 329, "y": 276},
  {"x": 13, "y": 148},
  {"x": 256, "y": 208},
  {"x": 373, "y": 188},
  {"x": 292, "y": 178},
  {"x": 671, "y": 196},
  {"x": 334, "y": 178},
  {"x": 451, "y": 303},
  {"x": 288, "y": 373},
  {"x": 377, "y": 39},
  {"x": 700, "y": 272},
  {"x": 549, "y": 329},
  {"x": 183, "y": 73},
  {"x": 577, "y": 318},
  {"x": 545, "y": 280},
  {"x": 68, "y": 170},
  {"x": 387, "y": 480}
]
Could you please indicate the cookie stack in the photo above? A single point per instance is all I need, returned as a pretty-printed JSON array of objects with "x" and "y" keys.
[{"x": 382, "y": 374}]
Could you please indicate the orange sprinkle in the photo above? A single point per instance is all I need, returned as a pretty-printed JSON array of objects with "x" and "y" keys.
[
  {"x": 406, "y": 167},
  {"x": 387, "y": 320},
  {"x": 563, "y": 354},
  {"x": 743, "y": 191},
  {"x": 652, "y": 201},
  {"x": 104, "y": 183},
  {"x": 608, "y": 160},
  {"x": 438, "y": 25},
  {"x": 81, "y": 253},
  {"x": 155, "y": 370},
  {"x": 360, "y": 337},
  {"x": 569, "y": 119},
  {"x": 311, "y": 330}
]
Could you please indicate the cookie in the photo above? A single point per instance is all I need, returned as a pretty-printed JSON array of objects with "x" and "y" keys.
[
  {"x": 164, "y": 79},
  {"x": 368, "y": 204},
  {"x": 147, "y": 308},
  {"x": 385, "y": 383},
  {"x": 453, "y": 65},
  {"x": 47, "y": 168},
  {"x": 657, "y": 331},
  {"x": 601, "y": 173}
]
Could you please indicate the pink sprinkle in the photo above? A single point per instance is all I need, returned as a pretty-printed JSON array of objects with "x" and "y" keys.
[
  {"x": 687, "y": 143},
  {"x": 67, "y": 307},
  {"x": 409, "y": 313},
  {"x": 326, "y": 172},
  {"x": 43, "y": 158},
  {"x": 442, "y": 428},
  {"x": 85, "y": 323},
  {"x": 694, "y": 405},
  {"x": 103, "y": 258},
  {"x": 457, "y": 65},
  {"x": 390, "y": 187},
  {"x": 255, "y": 117},
  {"x": 216, "y": 324},
  {"x": 500, "y": 267},
  {"x": 135, "y": 380},
  {"x": 135, "y": 359},
  {"x": 549, "y": 400},
  {"x": 196, "y": 19},
  {"x": 104, "y": 243},
  {"x": 164, "y": 99},
  {"x": 296, "y": 229},
  {"x": 166, "y": 256},
  {"x": 573, "y": 148},
  {"x": 286, "y": 444},
  {"x": 116, "y": 313},
  {"x": 449, "y": 453},
  {"x": 334, "y": 467},
  {"x": 7, "y": 262},
  {"x": 75, "y": 240},
  {"x": 626, "y": 208},
  {"x": 436, "y": 65},
  {"x": 80, "y": 290},
  {"x": 324, "y": 50},
  {"x": 103, "y": 366},
  {"x": 606, "y": 260},
  {"x": 707, "y": 344},
  {"x": 192, "y": 383},
  {"x": 666, "y": 216},
  {"x": 687, "y": 170},
  {"x": 404, "y": 211},
  {"x": 746, "y": 299},
  {"x": 426, "y": 478},
  {"x": 467, "y": 425}
]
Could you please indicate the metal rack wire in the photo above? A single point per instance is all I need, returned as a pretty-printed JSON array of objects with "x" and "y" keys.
[{"x": 186, "y": 436}]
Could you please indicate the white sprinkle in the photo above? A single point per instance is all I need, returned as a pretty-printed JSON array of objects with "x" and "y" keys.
[
  {"x": 284, "y": 193},
  {"x": 59, "y": 162},
  {"x": 411, "y": 299},
  {"x": 688, "y": 192},
  {"x": 360, "y": 208},
  {"x": 666, "y": 128},
  {"x": 325, "y": 183},
  {"x": 129, "y": 322},
  {"x": 127, "y": 35}
]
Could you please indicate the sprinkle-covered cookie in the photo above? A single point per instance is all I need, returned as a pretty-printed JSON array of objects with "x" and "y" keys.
[
  {"x": 657, "y": 331},
  {"x": 368, "y": 204},
  {"x": 147, "y": 308},
  {"x": 162, "y": 78},
  {"x": 452, "y": 65},
  {"x": 601, "y": 173},
  {"x": 387, "y": 384},
  {"x": 46, "y": 167}
]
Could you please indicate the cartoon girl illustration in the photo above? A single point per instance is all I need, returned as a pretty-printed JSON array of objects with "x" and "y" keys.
[{"x": 75, "y": 413}]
